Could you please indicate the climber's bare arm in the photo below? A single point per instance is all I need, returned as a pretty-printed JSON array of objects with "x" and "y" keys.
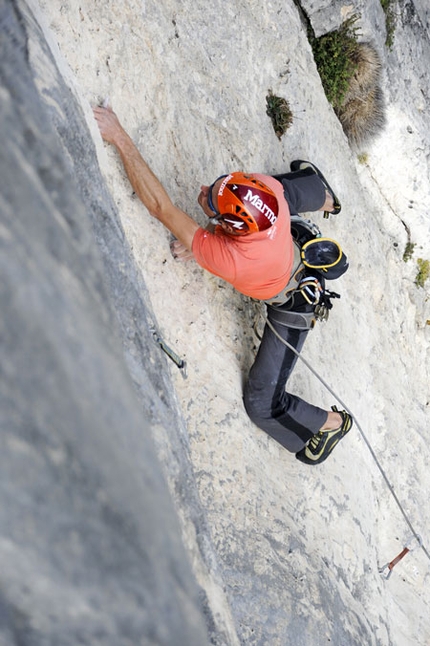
[{"x": 146, "y": 185}]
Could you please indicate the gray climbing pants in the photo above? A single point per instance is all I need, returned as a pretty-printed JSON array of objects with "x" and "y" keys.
[{"x": 287, "y": 418}]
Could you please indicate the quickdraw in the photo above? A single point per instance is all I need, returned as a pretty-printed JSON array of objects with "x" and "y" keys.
[
  {"x": 387, "y": 569},
  {"x": 180, "y": 363},
  {"x": 325, "y": 305}
]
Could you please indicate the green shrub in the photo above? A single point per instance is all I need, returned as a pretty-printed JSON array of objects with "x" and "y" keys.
[
  {"x": 278, "y": 109},
  {"x": 423, "y": 272},
  {"x": 390, "y": 21},
  {"x": 334, "y": 55},
  {"x": 409, "y": 250}
]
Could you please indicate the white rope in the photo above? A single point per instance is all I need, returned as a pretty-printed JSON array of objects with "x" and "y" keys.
[{"x": 384, "y": 475}]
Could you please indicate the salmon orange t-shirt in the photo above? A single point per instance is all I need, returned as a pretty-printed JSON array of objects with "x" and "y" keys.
[{"x": 257, "y": 265}]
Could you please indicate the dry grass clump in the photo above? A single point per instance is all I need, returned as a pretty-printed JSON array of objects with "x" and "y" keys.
[{"x": 362, "y": 112}]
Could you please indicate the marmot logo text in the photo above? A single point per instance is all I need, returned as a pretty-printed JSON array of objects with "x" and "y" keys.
[{"x": 259, "y": 204}]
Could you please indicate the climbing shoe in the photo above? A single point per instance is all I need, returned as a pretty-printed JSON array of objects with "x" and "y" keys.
[
  {"x": 299, "y": 164},
  {"x": 322, "y": 444}
]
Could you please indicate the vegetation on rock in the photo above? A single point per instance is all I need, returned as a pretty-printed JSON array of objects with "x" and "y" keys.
[
  {"x": 390, "y": 21},
  {"x": 409, "y": 250},
  {"x": 334, "y": 56},
  {"x": 278, "y": 109},
  {"x": 423, "y": 272},
  {"x": 350, "y": 73}
]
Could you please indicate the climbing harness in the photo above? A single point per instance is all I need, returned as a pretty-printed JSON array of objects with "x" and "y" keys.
[
  {"x": 180, "y": 363},
  {"x": 312, "y": 292},
  {"x": 314, "y": 259},
  {"x": 297, "y": 275},
  {"x": 406, "y": 549},
  {"x": 372, "y": 452},
  {"x": 296, "y": 320}
]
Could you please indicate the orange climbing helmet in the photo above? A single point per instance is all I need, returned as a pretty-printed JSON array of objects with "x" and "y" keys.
[{"x": 245, "y": 203}]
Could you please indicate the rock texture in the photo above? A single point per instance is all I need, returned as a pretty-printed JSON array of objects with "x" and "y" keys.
[
  {"x": 90, "y": 541},
  {"x": 283, "y": 555}
]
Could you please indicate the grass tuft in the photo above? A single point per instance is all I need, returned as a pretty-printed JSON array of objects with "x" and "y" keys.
[
  {"x": 423, "y": 272},
  {"x": 409, "y": 250},
  {"x": 363, "y": 158},
  {"x": 278, "y": 109}
]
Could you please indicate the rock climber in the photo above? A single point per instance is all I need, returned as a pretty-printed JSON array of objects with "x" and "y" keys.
[{"x": 252, "y": 247}]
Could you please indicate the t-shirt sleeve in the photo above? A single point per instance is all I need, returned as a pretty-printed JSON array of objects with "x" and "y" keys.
[{"x": 214, "y": 252}]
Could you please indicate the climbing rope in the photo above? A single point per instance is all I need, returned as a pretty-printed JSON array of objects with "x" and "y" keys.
[{"x": 372, "y": 452}]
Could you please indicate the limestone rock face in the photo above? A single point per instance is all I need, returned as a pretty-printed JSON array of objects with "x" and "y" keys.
[
  {"x": 265, "y": 549},
  {"x": 90, "y": 543}
]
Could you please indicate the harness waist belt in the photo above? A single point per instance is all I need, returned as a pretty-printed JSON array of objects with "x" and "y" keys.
[{"x": 296, "y": 276}]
